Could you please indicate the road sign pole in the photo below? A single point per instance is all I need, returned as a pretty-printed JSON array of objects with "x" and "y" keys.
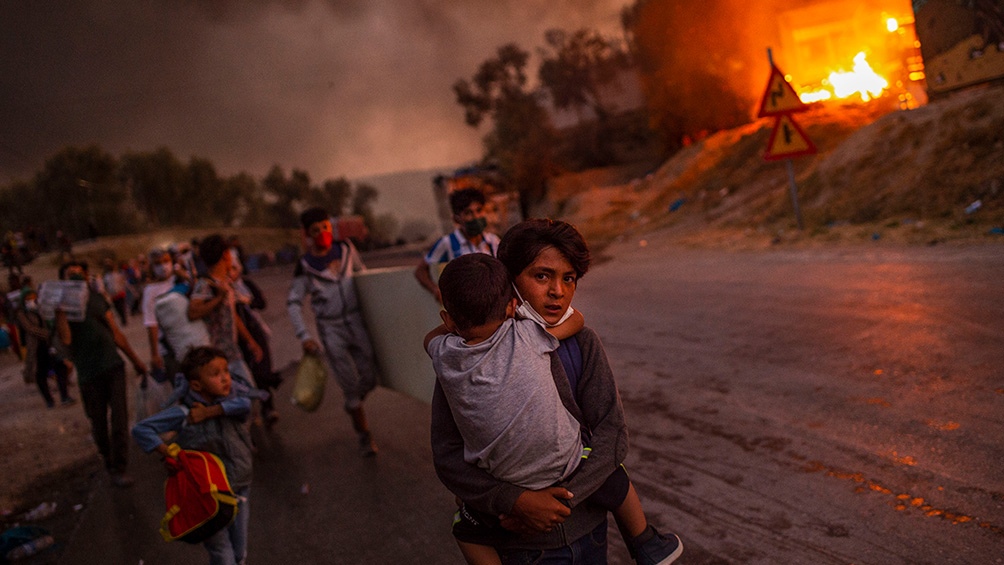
[
  {"x": 787, "y": 139},
  {"x": 794, "y": 192}
]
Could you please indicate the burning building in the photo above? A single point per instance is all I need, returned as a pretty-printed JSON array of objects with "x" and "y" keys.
[
  {"x": 853, "y": 51},
  {"x": 840, "y": 49}
]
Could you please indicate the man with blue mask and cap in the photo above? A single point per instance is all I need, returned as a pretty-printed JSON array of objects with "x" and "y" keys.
[{"x": 468, "y": 207}]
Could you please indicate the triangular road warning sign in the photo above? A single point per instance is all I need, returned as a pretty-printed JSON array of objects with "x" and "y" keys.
[
  {"x": 780, "y": 97},
  {"x": 787, "y": 140}
]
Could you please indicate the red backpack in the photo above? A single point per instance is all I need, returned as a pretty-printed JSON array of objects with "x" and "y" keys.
[{"x": 198, "y": 496}]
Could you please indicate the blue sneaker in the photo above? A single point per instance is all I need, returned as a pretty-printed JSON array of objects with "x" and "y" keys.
[{"x": 659, "y": 550}]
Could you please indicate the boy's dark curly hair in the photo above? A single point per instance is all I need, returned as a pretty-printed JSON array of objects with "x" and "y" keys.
[
  {"x": 476, "y": 290},
  {"x": 461, "y": 199},
  {"x": 198, "y": 358},
  {"x": 211, "y": 249},
  {"x": 524, "y": 241}
]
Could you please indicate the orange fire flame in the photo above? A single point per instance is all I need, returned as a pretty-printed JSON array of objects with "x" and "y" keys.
[{"x": 862, "y": 80}]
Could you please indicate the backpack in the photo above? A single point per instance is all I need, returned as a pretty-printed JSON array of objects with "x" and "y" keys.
[{"x": 197, "y": 495}]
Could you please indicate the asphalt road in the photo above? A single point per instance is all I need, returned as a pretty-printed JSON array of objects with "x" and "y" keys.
[
  {"x": 815, "y": 406},
  {"x": 824, "y": 406}
]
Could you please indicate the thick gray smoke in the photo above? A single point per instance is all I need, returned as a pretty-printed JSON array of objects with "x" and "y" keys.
[{"x": 336, "y": 88}]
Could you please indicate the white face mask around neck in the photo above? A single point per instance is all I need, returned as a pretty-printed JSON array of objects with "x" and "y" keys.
[{"x": 525, "y": 311}]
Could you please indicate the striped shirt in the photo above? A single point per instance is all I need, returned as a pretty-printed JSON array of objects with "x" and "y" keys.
[{"x": 455, "y": 244}]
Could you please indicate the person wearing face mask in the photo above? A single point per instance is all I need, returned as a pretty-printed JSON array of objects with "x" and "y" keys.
[
  {"x": 162, "y": 281},
  {"x": 324, "y": 273},
  {"x": 187, "y": 265},
  {"x": 40, "y": 342},
  {"x": 94, "y": 345},
  {"x": 468, "y": 207},
  {"x": 561, "y": 524}
]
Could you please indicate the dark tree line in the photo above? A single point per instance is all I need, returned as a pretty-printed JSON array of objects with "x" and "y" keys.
[{"x": 85, "y": 191}]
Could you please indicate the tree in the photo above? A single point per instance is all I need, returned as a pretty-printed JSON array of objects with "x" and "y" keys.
[
  {"x": 575, "y": 71},
  {"x": 689, "y": 55},
  {"x": 81, "y": 192},
  {"x": 334, "y": 196},
  {"x": 287, "y": 195},
  {"x": 362, "y": 203},
  {"x": 202, "y": 196},
  {"x": 579, "y": 66},
  {"x": 154, "y": 180},
  {"x": 522, "y": 138},
  {"x": 497, "y": 81},
  {"x": 241, "y": 202}
]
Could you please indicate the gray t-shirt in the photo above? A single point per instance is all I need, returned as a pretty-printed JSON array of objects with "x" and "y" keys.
[{"x": 506, "y": 406}]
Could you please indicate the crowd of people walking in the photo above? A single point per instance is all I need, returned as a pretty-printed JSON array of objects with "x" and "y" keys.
[{"x": 525, "y": 409}]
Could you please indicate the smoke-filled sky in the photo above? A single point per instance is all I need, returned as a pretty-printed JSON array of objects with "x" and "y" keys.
[{"x": 333, "y": 87}]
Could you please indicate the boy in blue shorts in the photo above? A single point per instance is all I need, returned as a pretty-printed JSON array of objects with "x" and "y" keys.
[
  {"x": 212, "y": 417},
  {"x": 495, "y": 372}
]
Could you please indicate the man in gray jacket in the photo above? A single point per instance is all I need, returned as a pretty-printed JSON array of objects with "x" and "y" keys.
[{"x": 324, "y": 274}]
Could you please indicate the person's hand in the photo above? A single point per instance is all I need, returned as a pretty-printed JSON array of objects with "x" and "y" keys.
[
  {"x": 198, "y": 413},
  {"x": 226, "y": 291},
  {"x": 310, "y": 346},
  {"x": 540, "y": 510},
  {"x": 516, "y": 525}
]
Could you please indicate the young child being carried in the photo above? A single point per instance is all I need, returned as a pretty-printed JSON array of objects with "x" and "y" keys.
[
  {"x": 211, "y": 417},
  {"x": 495, "y": 371}
]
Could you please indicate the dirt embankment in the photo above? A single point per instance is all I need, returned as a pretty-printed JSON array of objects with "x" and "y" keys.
[{"x": 933, "y": 174}]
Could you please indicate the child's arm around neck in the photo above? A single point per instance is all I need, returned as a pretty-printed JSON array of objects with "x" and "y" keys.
[
  {"x": 436, "y": 332},
  {"x": 569, "y": 327}
]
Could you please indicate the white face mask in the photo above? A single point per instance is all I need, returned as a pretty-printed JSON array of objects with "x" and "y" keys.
[
  {"x": 162, "y": 270},
  {"x": 526, "y": 312},
  {"x": 31, "y": 304}
]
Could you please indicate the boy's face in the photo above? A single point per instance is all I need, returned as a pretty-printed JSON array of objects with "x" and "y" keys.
[
  {"x": 468, "y": 217},
  {"x": 75, "y": 273},
  {"x": 226, "y": 259},
  {"x": 548, "y": 284},
  {"x": 320, "y": 235},
  {"x": 214, "y": 379}
]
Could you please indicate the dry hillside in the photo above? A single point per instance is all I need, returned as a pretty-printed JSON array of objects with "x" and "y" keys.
[{"x": 897, "y": 175}]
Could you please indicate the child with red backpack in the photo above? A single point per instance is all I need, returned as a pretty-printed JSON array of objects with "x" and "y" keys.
[{"x": 211, "y": 418}]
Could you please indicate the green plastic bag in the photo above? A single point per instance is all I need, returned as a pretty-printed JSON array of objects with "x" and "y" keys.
[{"x": 308, "y": 390}]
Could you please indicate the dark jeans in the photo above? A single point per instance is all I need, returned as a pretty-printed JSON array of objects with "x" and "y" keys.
[
  {"x": 107, "y": 393},
  {"x": 590, "y": 549},
  {"x": 120, "y": 308},
  {"x": 44, "y": 364}
]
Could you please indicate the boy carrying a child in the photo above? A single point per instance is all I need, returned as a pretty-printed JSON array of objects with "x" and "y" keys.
[
  {"x": 495, "y": 372},
  {"x": 211, "y": 417}
]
